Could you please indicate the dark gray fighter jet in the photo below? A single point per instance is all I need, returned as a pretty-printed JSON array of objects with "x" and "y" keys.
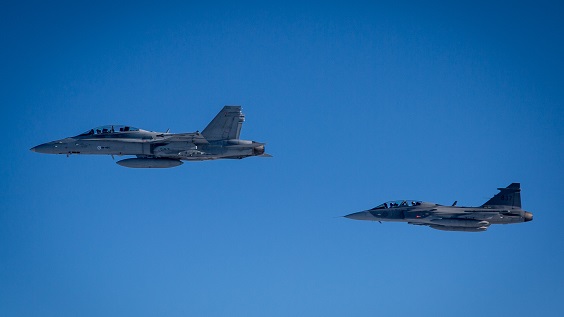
[
  {"x": 219, "y": 140},
  {"x": 503, "y": 208}
]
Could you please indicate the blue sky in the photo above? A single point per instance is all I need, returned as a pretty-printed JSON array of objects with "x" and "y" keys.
[{"x": 359, "y": 103}]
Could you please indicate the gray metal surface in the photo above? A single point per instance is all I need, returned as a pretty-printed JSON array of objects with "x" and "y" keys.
[
  {"x": 503, "y": 208},
  {"x": 219, "y": 140}
]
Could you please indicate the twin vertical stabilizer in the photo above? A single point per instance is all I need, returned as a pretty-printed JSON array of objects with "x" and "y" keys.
[{"x": 226, "y": 125}]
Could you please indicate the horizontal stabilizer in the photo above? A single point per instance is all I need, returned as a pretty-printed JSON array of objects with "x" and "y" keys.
[{"x": 246, "y": 145}]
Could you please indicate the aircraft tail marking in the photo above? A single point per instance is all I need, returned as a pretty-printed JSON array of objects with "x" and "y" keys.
[
  {"x": 226, "y": 125},
  {"x": 508, "y": 196}
]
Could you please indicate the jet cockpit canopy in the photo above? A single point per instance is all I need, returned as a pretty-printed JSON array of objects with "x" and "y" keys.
[
  {"x": 105, "y": 129},
  {"x": 398, "y": 203}
]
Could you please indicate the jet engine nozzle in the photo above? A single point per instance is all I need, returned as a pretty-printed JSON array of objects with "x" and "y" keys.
[
  {"x": 259, "y": 150},
  {"x": 528, "y": 216}
]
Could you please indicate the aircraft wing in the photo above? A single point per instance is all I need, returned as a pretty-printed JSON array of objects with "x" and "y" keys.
[{"x": 195, "y": 138}]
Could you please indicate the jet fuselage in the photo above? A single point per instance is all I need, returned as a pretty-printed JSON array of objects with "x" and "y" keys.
[
  {"x": 153, "y": 144},
  {"x": 219, "y": 140},
  {"x": 429, "y": 213},
  {"x": 503, "y": 208}
]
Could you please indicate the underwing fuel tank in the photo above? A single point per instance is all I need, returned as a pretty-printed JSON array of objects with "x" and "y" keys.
[
  {"x": 460, "y": 223},
  {"x": 467, "y": 229},
  {"x": 149, "y": 163}
]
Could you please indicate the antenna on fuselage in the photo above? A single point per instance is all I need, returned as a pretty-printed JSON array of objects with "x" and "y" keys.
[{"x": 454, "y": 203}]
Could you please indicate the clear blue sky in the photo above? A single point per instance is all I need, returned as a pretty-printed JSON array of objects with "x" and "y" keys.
[{"x": 359, "y": 104}]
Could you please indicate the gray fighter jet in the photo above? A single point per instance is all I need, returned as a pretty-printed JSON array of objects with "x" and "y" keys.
[
  {"x": 219, "y": 140},
  {"x": 503, "y": 208}
]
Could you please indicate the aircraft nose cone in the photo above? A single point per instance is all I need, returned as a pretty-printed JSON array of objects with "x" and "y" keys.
[
  {"x": 528, "y": 216},
  {"x": 44, "y": 148},
  {"x": 39, "y": 148},
  {"x": 357, "y": 216}
]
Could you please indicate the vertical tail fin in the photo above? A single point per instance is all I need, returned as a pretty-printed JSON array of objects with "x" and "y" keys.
[
  {"x": 508, "y": 196},
  {"x": 226, "y": 125}
]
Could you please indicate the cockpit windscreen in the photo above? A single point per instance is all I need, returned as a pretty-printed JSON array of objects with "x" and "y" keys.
[
  {"x": 110, "y": 129},
  {"x": 397, "y": 203}
]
